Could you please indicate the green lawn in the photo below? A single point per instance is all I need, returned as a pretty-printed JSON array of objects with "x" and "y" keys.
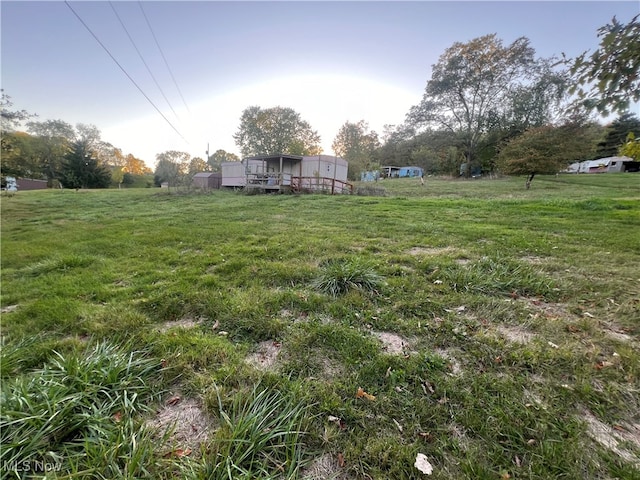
[{"x": 491, "y": 328}]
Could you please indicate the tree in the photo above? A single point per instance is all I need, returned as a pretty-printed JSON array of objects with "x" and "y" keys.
[
  {"x": 21, "y": 155},
  {"x": 173, "y": 167},
  {"x": 631, "y": 148},
  {"x": 608, "y": 80},
  {"x": 356, "y": 144},
  {"x": 197, "y": 165},
  {"x": 12, "y": 146},
  {"x": 57, "y": 137},
  {"x": 544, "y": 150},
  {"x": 275, "y": 130},
  {"x": 616, "y": 134},
  {"x": 219, "y": 157},
  {"x": 83, "y": 170},
  {"x": 10, "y": 119},
  {"x": 475, "y": 85}
]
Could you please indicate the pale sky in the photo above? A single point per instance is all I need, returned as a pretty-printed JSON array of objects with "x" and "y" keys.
[{"x": 331, "y": 62}]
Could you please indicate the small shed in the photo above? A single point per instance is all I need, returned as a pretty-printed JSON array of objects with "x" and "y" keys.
[
  {"x": 31, "y": 184},
  {"x": 207, "y": 180}
]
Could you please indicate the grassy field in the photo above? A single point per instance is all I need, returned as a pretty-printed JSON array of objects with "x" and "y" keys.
[{"x": 492, "y": 329}]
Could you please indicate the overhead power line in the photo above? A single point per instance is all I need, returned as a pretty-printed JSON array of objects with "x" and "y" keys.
[
  {"x": 124, "y": 71},
  {"x": 163, "y": 57},
  {"x": 142, "y": 58}
]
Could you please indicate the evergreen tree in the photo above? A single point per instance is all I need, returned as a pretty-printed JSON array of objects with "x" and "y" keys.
[
  {"x": 616, "y": 135},
  {"x": 82, "y": 170}
]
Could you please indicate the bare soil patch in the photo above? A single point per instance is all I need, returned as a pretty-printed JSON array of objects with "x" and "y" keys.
[
  {"x": 454, "y": 364},
  {"x": 9, "y": 309},
  {"x": 549, "y": 310},
  {"x": 266, "y": 355},
  {"x": 392, "y": 343},
  {"x": 184, "y": 417},
  {"x": 516, "y": 334},
  {"x": 324, "y": 467},
  {"x": 186, "y": 323},
  {"x": 611, "y": 437},
  {"x": 428, "y": 251}
]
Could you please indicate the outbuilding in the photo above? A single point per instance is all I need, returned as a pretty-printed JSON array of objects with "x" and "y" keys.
[
  {"x": 207, "y": 180},
  {"x": 282, "y": 172}
]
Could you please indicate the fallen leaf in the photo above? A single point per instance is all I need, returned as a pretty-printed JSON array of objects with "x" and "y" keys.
[
  {"x": 362, "y": 394},
  {"x": 552, "y": 345},
  {"x": 427, "y": 436},
  {"x": 223, "y": 333},
  {"x": 117, "y": 417},
  {"x": 517, "y": 461},
  {"x": 163, "y": 363},
  {"x": 531, "y": 441},
  {"x": 215, "y": 325},
  {"x": 437, "y": 282},
  {"x": 174, "y": 400},
  {"x": 505, "y": 476},
  {"x": 178, "y": 452},
  {"x": 423, "y": 464},
  {"x": 587, "y": 314},
  {"x": 341, "y": 460}
]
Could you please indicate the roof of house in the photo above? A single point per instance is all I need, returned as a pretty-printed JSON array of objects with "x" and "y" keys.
[{"x": 206, "y": 175}]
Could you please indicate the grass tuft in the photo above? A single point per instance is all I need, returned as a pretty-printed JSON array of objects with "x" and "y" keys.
[
  {"x": 77, "y": 405},
  {"x": 261, "y": 436},
  {"x": 337, "y": 277},
  {"x": 497, "y": 275}
]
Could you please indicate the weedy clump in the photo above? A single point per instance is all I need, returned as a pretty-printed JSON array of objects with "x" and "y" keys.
[
  {"x": 338, "y": 276},
  {"x": 79, "y": 413},
  {"x": 261, "y": 436}
]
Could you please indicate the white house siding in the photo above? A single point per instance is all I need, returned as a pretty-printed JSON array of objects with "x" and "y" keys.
[
  {"x": 233, "y": 174},
  {"x": 326, "y": 166}
]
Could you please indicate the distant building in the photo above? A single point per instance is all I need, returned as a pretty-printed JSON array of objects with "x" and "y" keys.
[
  {"x": 605, "y": 165},
  {"x": 207, "y": 180},
  {"x": 281, "y": 172}
]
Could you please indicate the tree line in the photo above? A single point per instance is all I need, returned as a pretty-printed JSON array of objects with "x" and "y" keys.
[
  {"x": 487, "y": 107},
  {"x": 72, "y": 157}
]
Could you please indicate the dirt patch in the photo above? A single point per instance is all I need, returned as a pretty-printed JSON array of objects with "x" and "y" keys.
[
  {"x": 186, "y": 323},
  {"x": 324, "y": 468},
  {"x": 189, "y": 424},
  {"x": 9, "y": 309},
  {"x": 392, "y": 343},
  {"x": 533, "y": 260},
  {"x": 610, "y": 437},
  {"x": 266, "y": 355},
  {"x": 416, "y": 251},
  {"x": 617, "y": 335},
  {"x": 549, "y": 310},
  {"x": 516, "y": 334},
  {"x": 454, "y": 364}
]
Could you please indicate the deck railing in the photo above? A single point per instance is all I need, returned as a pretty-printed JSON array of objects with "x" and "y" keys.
[{"x": 320, "y": 184}]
